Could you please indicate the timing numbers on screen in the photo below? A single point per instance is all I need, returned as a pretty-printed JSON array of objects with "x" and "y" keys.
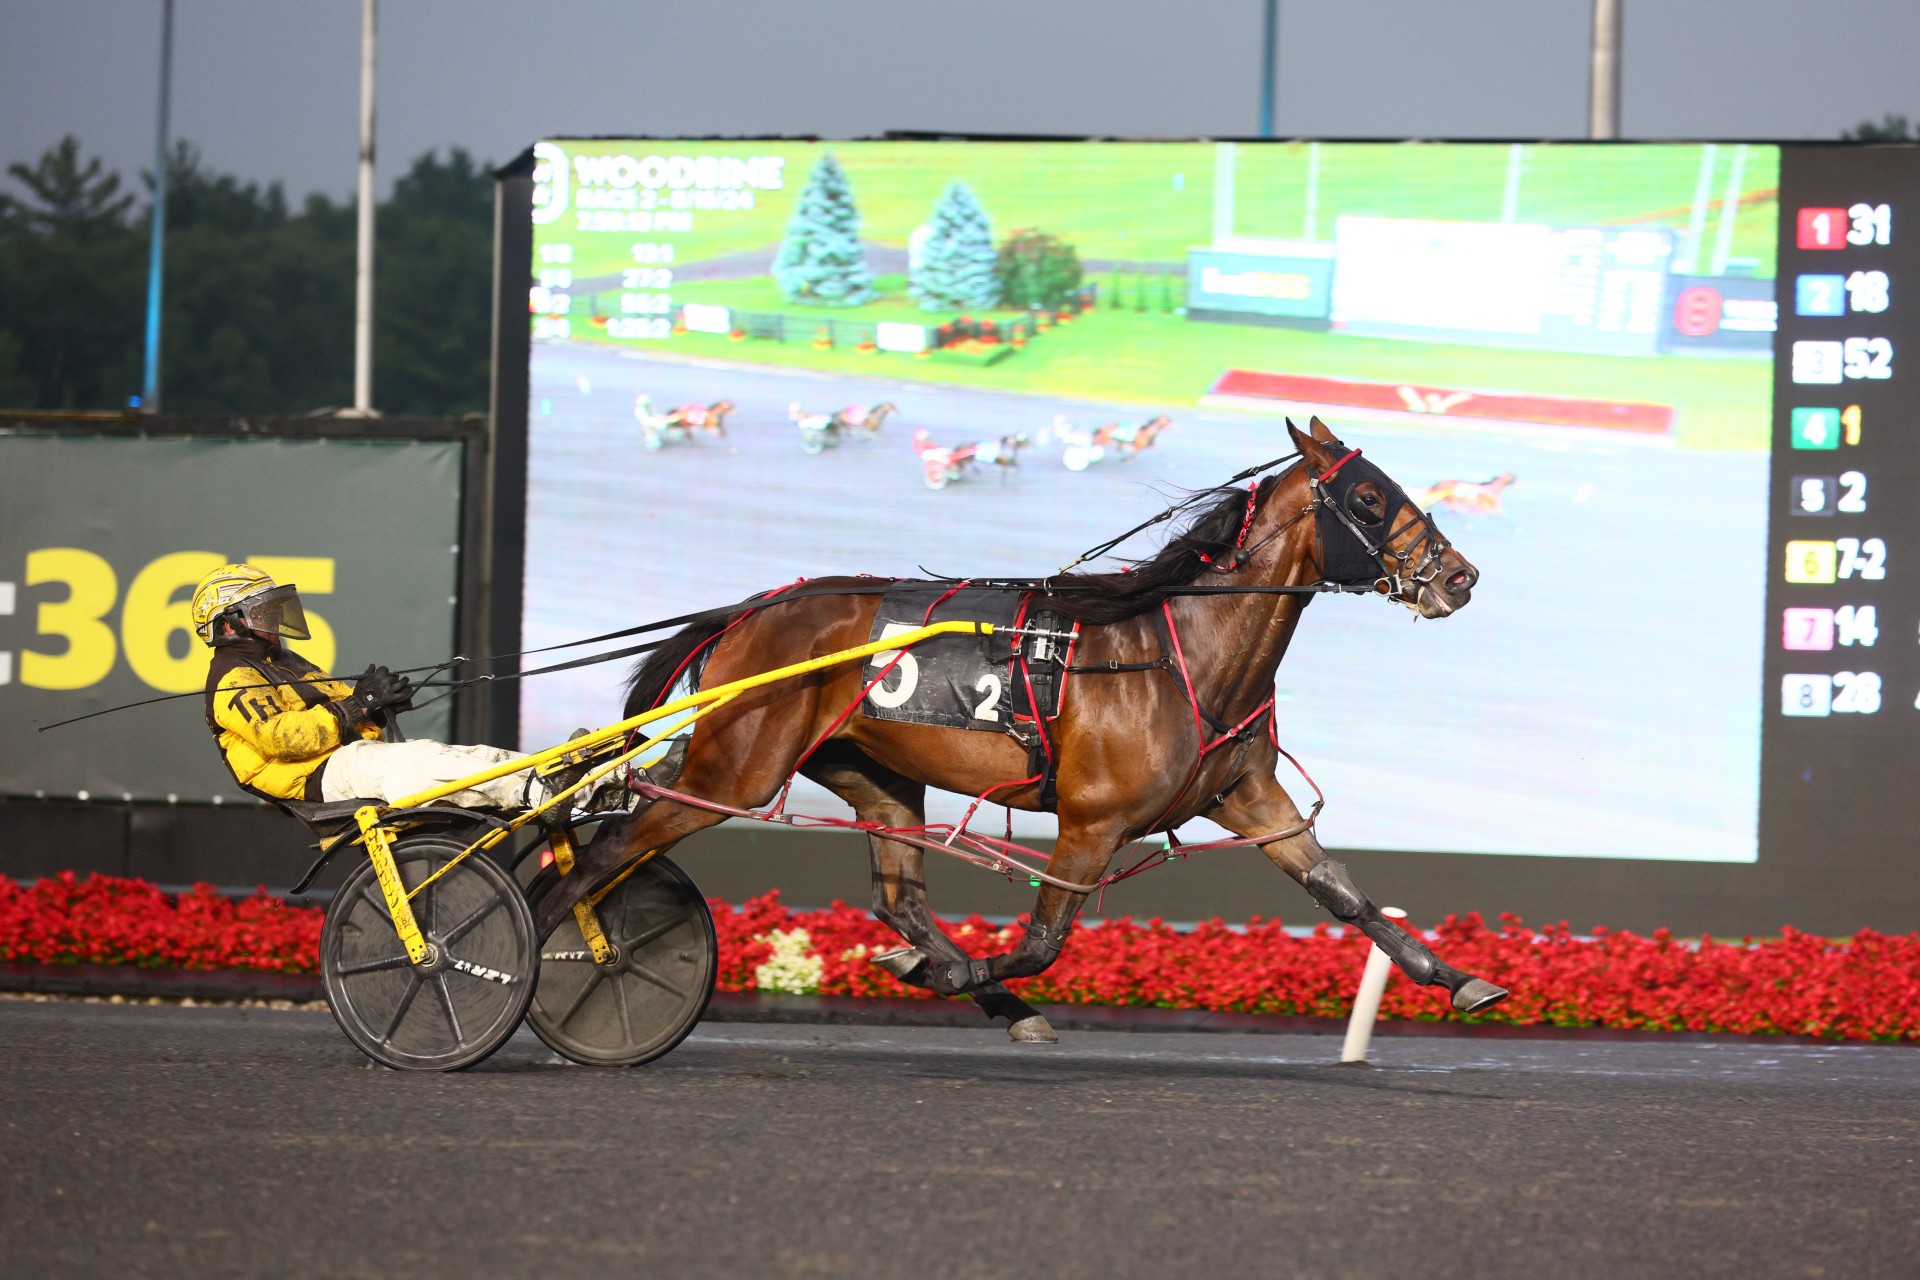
[
  {"x": 1825, "y": 495},
  {"x": 558, "y": 254},
  {"x": 1870, "y": 224},
  {"x": 646, "y": 304},
  {"x": 156, "y": 620},
  {"x": 1869, "y": 358},
  {"x": 551, "y": 327},
  {"x": 646, "y": 278},
  {"x": 1835, "y": 295},
  {"x": 1856, "y": 692},
  {"x": 1842, "y": 693},
  {"x": 1825, "y": 428},
  {"x": 653, "y": 253},
  {"x": 1817, "y": 630},
  {"x": 1857, "y": 624},
  {"x": 1818, "y": 561},
  {"x": 1868, "y": 291},
  {"x": 1832, "y": 362},
  {"x": 639, "y": 327},
  {"x": 1818, "y": 228},
  {"x": 1866, "y": 559}
]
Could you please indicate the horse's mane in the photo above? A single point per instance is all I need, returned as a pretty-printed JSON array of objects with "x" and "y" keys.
[{"x": 1212, "y": 530}]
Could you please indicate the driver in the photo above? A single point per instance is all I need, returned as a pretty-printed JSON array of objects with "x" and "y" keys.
[{"x": 289, "y": 732}]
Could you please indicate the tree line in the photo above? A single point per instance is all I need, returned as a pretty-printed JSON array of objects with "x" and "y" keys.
[
  {"x": 821, "y": 262},
  {"x": 258, "y": 310}
]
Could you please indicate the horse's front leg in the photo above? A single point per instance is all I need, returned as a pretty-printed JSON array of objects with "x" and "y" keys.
[{"x": 1258, "y": 804}]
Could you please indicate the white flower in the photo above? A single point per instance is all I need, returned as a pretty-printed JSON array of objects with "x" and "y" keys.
[{"x": 793, "y": 968}]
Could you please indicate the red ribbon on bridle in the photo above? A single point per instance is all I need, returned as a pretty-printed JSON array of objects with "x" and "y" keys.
[{"x": 1239, "y": 543}]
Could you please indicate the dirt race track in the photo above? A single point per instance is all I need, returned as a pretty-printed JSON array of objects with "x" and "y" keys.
[{"x": 145, "y": 1141}]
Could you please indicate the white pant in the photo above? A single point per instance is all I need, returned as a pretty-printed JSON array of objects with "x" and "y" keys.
[{"x": 389, "y": 770}]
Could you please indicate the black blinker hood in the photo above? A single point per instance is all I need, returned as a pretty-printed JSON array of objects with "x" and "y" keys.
[{"x": 1344, "y": 558}]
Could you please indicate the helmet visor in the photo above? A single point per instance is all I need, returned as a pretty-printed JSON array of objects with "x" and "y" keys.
[{"x": 276, "y": 613}]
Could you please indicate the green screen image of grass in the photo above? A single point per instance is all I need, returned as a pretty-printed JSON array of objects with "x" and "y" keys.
[{"x": 1130, "y": 212}]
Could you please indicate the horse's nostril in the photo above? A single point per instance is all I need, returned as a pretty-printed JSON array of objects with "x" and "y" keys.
[{"x": 1459, "y": 579}]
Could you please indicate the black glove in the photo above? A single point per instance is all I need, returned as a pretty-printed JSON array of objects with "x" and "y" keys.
[{"x": 379, "y": 688}]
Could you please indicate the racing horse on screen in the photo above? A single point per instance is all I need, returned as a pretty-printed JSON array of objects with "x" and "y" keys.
[{"x": 1170, "y": 718}]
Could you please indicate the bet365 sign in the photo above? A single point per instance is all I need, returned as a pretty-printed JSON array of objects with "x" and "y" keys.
[
  {"x": 76, "y": 641},
  {"x": 106, "y": 537}
]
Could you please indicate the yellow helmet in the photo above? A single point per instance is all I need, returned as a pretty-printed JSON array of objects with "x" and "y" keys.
[{"x": 251, "y": 595}]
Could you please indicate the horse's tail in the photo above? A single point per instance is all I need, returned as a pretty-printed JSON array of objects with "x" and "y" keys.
[{"x": 684, "y": 653}]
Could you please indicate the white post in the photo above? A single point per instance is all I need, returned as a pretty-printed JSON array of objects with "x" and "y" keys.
[
  {"x": 1510, "y": 198},
  {"x": 1689, "y": 262},
  {"x": 1729, "y": 212},
  {"x": 1223, "y": 162},
  {"x": 1366, "y": 1001},
  {"x": 363, "y": 269},
  {"x": 1603, "y": 90},
  {"x": 1310, "y": 222}
]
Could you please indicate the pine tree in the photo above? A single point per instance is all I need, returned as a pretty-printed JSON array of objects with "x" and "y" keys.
[
  {"x": 957, "y": 267},
  {"x": 820, "y": 263}
]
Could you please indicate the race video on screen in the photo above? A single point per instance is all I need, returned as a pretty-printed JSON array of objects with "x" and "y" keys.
[{"x": 757, "y": 361}]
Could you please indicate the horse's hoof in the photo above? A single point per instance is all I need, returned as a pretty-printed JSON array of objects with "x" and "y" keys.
[
  {"x": 1477, "y": 995},
  {"x": 901, "y": 961},
  {"x": 1033, "y": 1030}
]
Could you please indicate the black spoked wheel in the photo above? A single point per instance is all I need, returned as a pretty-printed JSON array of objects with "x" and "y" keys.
[
  {"x": 466, "y": 1001},
  {"x": 647, "y": 998}
]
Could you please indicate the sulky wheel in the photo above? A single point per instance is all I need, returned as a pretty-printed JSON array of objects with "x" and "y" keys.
[
  {"x": 654, "y": 988},
  {"x": 470, "y": 995},
  {"x": 812, "y": 442}
]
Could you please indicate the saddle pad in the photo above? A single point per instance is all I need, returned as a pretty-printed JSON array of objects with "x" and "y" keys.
[{"x": 958, "y": 682}]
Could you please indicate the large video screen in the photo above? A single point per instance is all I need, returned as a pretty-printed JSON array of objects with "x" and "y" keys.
[{"x": 979, "y": 358}]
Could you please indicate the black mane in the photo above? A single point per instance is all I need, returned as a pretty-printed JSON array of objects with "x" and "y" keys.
[{"x": 1212, "y": 530}]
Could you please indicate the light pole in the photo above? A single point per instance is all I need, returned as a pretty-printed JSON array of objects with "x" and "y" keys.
[
  {"x": 157, "y": 249},
  {"x": 363, "y": 268},
  {"x": 1269, "y": 36},
  {"x": 1603, "y": 89}
]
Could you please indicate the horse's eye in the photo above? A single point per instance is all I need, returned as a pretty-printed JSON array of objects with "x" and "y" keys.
[{"x": 1366, "y": 507}]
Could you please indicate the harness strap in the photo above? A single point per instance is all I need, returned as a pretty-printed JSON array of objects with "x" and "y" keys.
[
  {"x": 1331, "y": 471},
  {"x": 1047, "y": 767}
]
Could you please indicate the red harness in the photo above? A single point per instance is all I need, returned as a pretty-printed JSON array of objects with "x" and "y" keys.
[{"x": 998, "y": 853}]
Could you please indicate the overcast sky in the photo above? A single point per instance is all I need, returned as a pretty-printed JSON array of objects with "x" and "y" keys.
[{"x": 268, "y": 88}]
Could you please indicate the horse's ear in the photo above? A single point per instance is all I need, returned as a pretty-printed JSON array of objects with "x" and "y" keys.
[
  {"x": 1322, "y": 434},
  {"x": 1311, "y": 449}
]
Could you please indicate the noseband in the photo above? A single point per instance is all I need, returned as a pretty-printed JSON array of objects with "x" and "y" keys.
[{"x": 1349, "y": 552}]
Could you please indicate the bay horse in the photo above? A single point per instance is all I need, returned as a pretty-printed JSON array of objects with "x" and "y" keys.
[
  {"x": 1466, "y": 496},
  {"x": 1194, "y": 636},
  {"x": 862, "y": 418},
  {"x": 711, "y": 418}
]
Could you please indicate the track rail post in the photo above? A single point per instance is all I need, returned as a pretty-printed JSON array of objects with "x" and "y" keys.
[{"x": 1366, "y": 1001}]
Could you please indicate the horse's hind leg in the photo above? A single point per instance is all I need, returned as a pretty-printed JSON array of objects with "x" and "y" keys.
[
  {"x": 1259, "y": 804},
  {"x": 878, "y": 794}
]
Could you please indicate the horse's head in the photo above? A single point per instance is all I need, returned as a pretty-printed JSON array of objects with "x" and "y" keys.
[{"x": 1369, "y": 530}]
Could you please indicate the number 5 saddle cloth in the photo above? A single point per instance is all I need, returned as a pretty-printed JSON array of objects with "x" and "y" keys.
[{"x": 989, "y": 683}]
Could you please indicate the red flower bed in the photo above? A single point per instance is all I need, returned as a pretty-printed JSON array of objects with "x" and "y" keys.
[
  {"x": 106, "y": 920},
  {"x": 1867, "y": 988},
  {"x": 1799, "y": 984}
]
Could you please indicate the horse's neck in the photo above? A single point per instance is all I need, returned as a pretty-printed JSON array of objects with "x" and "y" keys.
[{"x": 1234, "y": 643}]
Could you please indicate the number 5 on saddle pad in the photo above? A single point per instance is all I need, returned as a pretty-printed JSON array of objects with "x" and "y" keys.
[{"x": 967, "y": 681}]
